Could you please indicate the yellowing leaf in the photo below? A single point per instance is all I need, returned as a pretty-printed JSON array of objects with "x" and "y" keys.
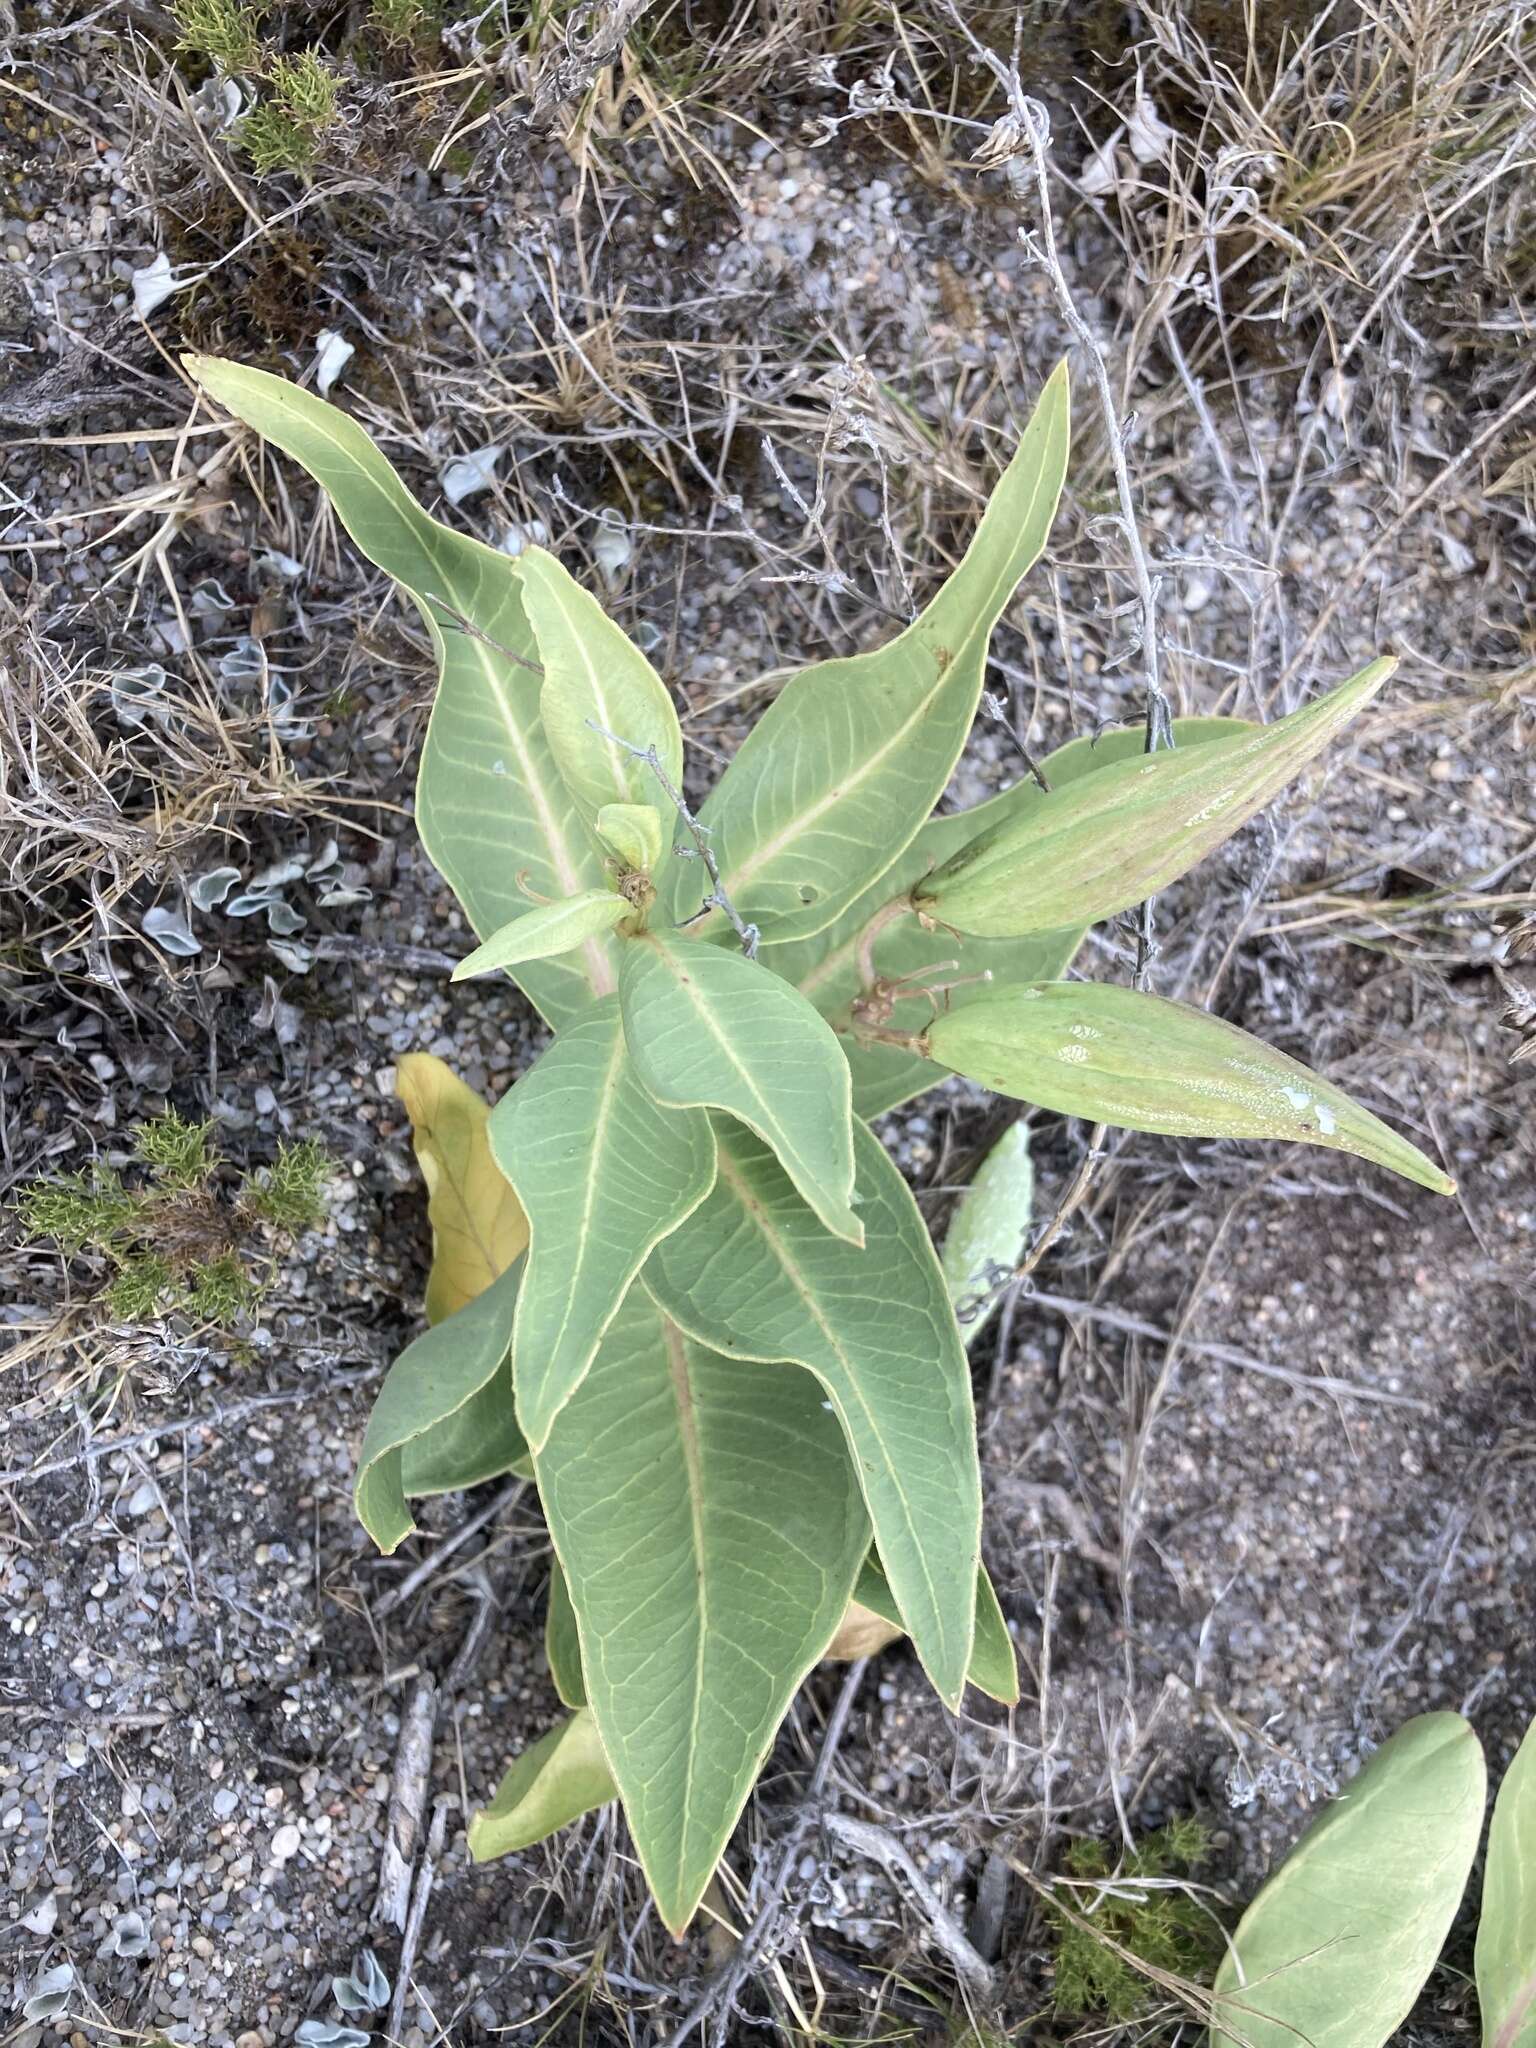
[
  {"x": 563, "y": 1776},
  {"x": 478, "y": 1228}
]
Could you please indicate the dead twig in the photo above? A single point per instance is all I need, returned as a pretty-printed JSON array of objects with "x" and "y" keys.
[
  {"x": 416, "y": 1919},
  {"x": 420, "y": 1574},
  {"x": 407, "y": 1797},
  {"x": 215, "y": 1418},
  {"x": 717, "y": 899},
  {"x": 883, "y": 1848}
]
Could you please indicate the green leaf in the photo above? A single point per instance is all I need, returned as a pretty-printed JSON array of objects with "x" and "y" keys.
[
  {"x": 1506, "y": 1933},
  {"x": 844, "y": 766},
  {"x": 1115, "y": 1056},
  {"x": 710, "y": 1531},
  {"x": 562, "y": 1645},
  {"x": 596, "y": 677},
  {"x": 753, "y": 1274},
  {"x": 479, "y": 1441},
  {"x": 563, "y": 1776},
  {"x": 430, "y": 1381},
  {"x": 634, "y": 834},
  {"x": 994, "y": 1667},
  {"x": 711, "y": 1029},
  {"x": 1117, "y": 837},
  {"x": 545, "y": 931},
  {"x": 603, "y": 1174},
  {"x": 994, "y": 1662},
  {"x": 826, "y": 966},
  {"x": 1337, "y": 1946},
  {"x": 491, "y": 807},
  {"x": 478, "y": 1229},
  {"x": 988, "y": 1230}
]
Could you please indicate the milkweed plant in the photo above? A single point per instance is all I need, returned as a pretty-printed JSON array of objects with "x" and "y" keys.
[{"x": 678, "y": 1281}]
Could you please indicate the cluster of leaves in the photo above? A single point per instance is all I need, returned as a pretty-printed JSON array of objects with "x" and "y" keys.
[
  {"x": 1126, "y": 1908},
  {"x": 702, "y": 1309},
  {"x": 1341, "y": 1940},
  {"x": 300, "y": 97},
  {"x": 173, "y": 1242}
]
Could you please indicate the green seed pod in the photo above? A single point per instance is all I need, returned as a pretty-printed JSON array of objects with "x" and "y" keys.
[
  {"x": 1117, "y": 836},
  {"x": 1117, "y": 1057},
  {"x": 987, "y": 1232}
]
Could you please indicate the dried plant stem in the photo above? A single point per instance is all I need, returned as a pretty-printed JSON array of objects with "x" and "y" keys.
[
  {"x": 887, "y": 915},
  {"x": 1024, "y": 135},
  {"x": 717, "y": 899},
  {"x": 1068, "y": 1206}
]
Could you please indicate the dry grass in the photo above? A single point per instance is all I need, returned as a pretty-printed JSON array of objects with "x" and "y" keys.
[{"x": 1315, "y": 292}]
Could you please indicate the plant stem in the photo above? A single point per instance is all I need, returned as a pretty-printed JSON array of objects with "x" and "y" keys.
[
  {"x": 717, "y": 898},
  {"x": 887, "y": 915}
]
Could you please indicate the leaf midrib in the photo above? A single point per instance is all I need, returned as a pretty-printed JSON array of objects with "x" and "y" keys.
[
  {"x": 599, "y": 970},
  {"x": 607, "y": 1092},
  {"x": 731, "y": 1173},
  {"x": 696, "y": 999},
  {"x": 688, "y": 1436},
  {"x": 981, "y": 627}
]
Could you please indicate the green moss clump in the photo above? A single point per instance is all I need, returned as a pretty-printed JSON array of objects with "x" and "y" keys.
[
  {"x": 1139, "y": 1915},
  {"x": 403, "y": 21},
  {"x": 226, "y": 32},
  {"x": 284, "y": 130},
  {"x": 81, "y": 1209},
  {"x": 291, "y": 1194},
  {"x": 176, "y": 1151},
  {"x": 173, "y": 1242}
]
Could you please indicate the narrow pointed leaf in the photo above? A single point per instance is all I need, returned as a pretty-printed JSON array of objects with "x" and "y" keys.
[
  {"x": 826, "y": 966},
  {"x": 708, "y": 1028},
  {"x": 994, "y": 1661},
  {"x": 1117, "y": 837},
  {"x": 988, "y": 1230},
  {"x": 1506, "y": 1932},
  {"x": 491, "y": 807},
  {"x": 562, "y": 1645},
  {"x": 845, "y": 765},
  {"x": 994, "y": 1666},
  {"x": 431, "y": 1380},
  {"x": 1337, "y": 1946},
  {"x": 710, "y": 1531},
  {"x": 603, "y": 1174},
  {"x": 596, "y": 683},
  {"x": 546, "y": 931},
  {"x": 1115, "y": 1056},
  {"x": 753, "y": 1274},
  {"x": 478, "y": 1229},
  {"x": 563, "y": 1776}
]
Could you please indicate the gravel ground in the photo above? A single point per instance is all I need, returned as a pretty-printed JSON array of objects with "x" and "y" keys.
[{"x": 1258, "y": 1450}]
